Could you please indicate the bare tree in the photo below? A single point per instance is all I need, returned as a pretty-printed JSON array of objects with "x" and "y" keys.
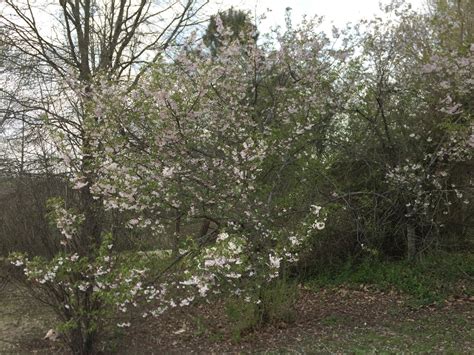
[
  {"x": 48, "y": 50},
  {"x": 54, "y": 43}
]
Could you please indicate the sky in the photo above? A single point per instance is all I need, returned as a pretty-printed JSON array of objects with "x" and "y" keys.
[{"x": 337, "y": 12}]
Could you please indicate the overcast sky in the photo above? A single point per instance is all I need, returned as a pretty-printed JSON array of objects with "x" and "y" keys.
[{"x": 337, "y": 11}]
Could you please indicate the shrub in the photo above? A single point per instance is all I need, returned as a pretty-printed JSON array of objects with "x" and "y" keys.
[{"x": 276, "y": 303}]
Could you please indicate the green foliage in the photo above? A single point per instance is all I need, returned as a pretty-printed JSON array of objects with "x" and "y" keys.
[
  {"x": 244, "y": 316},
  {"x": 431, "y": 279},
  {"x": 275, "y": 304},
  {"x": 458, "y": 32},
  {"x": 278, "y": 301}
]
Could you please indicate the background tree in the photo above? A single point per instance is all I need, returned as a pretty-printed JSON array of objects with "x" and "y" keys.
[
  {"x": 402, "y": 137},
  {"x": 228, "y": 26},
  {"x": 454, "y": 23}
]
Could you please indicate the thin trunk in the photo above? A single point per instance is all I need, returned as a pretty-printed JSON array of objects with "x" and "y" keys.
[
  {"x": 411, "y": 242},
  {"x": 176, "y": 235}
]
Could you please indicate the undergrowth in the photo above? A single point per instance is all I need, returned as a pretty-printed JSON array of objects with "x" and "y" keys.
[
  {"x": 428, "y": 280},
  {"x": 276, "y": 304}
]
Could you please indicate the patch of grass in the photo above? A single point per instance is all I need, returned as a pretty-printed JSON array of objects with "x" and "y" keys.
[
  {"x": 431, "y": 279},
  {"x": 344, "y": 328},
  {"x": 23, "y": 320},
  {"x": 216, "y": 337},
  {"x": 333, "y": 320},
  {"x": 430, "y": 334},
  {"x": 200, "y": 325}
]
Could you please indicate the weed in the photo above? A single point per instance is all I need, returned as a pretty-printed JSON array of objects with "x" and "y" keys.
[{"x": 200, "y": 325}]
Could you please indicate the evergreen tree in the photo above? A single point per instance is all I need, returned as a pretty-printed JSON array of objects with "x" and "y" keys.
[{"x": 235, "y": 24}]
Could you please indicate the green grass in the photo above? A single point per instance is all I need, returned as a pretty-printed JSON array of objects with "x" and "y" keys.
[
  {"x": 431, "y": 333},
  {"x": 431, "y": 279}
]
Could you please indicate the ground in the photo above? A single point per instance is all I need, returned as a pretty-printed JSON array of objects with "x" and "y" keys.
[
  {"x": 23, "y": 321},
  {"x": 329, "y": 320}
]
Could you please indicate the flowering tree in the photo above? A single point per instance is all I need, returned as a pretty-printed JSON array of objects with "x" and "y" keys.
[
  {"x": 202, "y": 139},
  {"x": 212, "y": 138},
  {"x": 408, "y": 130}
]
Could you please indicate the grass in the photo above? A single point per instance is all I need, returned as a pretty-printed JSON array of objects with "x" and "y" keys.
[
  {"x": 429, "y": 280},
  {"x": 424, "y": 336},
  {"x": 428, "y": 333},
  {"x": 23, "y": 321}
]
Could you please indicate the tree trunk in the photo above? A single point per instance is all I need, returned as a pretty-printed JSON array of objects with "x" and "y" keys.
[
  {"x": 411, "y": 242},
  {"x": 204, "y": 228},
  {"x": 176, "y": 235}
]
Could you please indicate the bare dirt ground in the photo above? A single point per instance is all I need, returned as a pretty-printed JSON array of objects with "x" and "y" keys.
[{"x": 338, "y": 320}]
